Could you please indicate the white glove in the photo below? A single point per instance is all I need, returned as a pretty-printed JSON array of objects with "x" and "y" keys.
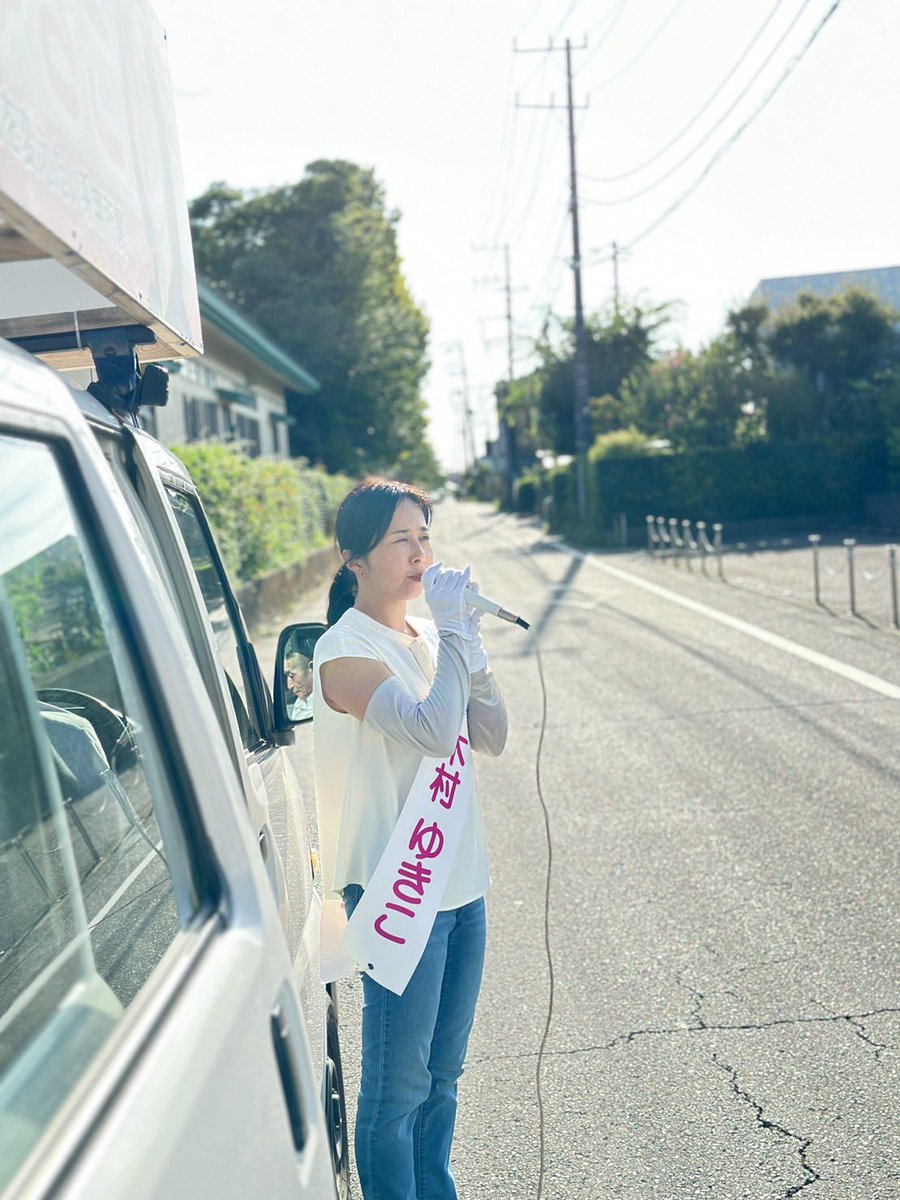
[
  {"x": 478, "y": 658},
  {"x": 445, "y": 595}
]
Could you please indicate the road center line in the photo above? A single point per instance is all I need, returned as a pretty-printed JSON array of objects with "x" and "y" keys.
[{"x": 873, "y": 682}]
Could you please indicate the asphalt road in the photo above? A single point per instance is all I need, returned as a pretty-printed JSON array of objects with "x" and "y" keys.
[{"x": 723, "y": 899}]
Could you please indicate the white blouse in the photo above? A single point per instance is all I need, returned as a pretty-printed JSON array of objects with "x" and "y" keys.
[{"x": 363, "y": 778}]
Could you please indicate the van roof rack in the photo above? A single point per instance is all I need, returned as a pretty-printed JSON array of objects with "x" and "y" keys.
[{"x": 121, "y": 385}]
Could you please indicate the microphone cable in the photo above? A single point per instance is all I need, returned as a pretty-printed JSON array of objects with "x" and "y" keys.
[{"x": 548, "y": 949}]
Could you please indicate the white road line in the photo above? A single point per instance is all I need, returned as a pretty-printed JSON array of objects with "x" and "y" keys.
[{"x": 873, "y": 682}]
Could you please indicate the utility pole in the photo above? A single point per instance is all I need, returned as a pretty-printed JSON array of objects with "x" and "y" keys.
[
  {"x": 510, "y": 373},
  {"x": 615, "y": 259},
  {"x": 467, "y": 431},
  {"x": 507, "y": 433},
  {"x": 582, "y": 387}
]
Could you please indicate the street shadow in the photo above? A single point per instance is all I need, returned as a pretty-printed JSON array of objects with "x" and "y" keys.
[
  {"x": 773, "y": 700},
  {"x": 538, "y": 627}
]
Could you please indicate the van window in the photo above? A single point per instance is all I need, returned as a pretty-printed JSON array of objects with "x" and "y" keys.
[
  {"x": 95, "y": 884},
  {"x": 229, "y": 640}
]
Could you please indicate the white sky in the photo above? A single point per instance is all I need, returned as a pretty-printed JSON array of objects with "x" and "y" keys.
[{"x": 423, "y": 91}]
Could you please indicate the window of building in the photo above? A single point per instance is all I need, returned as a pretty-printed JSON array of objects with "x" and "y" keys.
[{"x": 246, "y": 430}]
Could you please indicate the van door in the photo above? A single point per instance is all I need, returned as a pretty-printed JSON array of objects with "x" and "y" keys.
[
  {"x": 151, "y": 1042},
  {"x": 212, "y": 618}
]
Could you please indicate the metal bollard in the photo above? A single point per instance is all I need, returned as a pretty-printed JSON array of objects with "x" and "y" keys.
[
  {"x": 717, "y": 546},
  {"x": 850, "y": 543},
  {"x": 677, "y": 543},
  {"x": 701, "y": 538},
  {"x": 814, "y": 540},
  {"x": 892, "y": 561},
  {"x": 651, "y": 535},
  {"x": 689, "y": 544},
  {"x": 663, "y": 534}
]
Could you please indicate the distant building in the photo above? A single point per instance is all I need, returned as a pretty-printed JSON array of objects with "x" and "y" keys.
[
  {"x": 236, "y": 391},
  {"x": 884, "y": 282}
]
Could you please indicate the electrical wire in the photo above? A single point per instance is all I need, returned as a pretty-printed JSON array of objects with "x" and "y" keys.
[
  {"x": 553, "y": 264},
  {"x": 565, "y": 17},
  {"x": 641, "y": 52},
  {"x": 503, "y": 215},
  {"x": 723, "y": 150},
  {"x": 538, "y": 177},
  {"x": 605, "y": 18},
  {"x": 650, "y": 187},
  {"x": 504, "y": 158},
  {"x": 726, "y": 79},
  {"x": 534, "y": 12},
  {"x": 612, "y": 23},
  {"x": 548, "y": 948}
]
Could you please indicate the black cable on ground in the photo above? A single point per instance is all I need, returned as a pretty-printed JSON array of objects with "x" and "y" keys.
[{"x": 540, "y": 1057}]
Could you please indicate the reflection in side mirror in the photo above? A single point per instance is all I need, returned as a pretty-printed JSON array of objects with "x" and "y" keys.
[{"x": 294, "y": 674}]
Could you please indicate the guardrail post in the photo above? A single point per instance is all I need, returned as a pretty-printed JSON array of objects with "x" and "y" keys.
[
  {"x": 850, "y": 543},
  {"x": 651, "y": 536},
  {"x": 892, "y": 566},
  {"x": 677, "y": 544},
  {"x": 717, "y": 546},
  {"x": 814, "y": 540}
]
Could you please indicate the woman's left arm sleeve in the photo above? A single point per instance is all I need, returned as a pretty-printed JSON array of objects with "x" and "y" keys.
[{"x": 487, "y": 719}]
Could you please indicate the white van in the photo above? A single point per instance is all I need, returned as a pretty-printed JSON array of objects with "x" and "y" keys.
[{"x": 163, "y": 1031}]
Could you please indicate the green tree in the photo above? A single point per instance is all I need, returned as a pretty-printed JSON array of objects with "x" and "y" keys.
[
  {"x": 712, "y": 398},
  {"x": 840, "y": 358},
  {"x": 620, "y": 345},
  {"x": 316, "y": 263}
]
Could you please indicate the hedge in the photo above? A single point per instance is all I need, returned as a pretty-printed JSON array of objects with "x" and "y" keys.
[
  {"x": 763, "y": 480},
  {"x": 265, "y": 514}
]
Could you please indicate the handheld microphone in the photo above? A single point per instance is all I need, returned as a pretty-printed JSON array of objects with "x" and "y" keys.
[{"x": 476, "y": 600}]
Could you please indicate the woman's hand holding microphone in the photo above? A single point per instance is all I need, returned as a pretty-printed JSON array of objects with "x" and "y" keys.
[{"x": 445, "y": 595}]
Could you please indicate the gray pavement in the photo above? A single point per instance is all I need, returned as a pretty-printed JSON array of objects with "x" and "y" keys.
[{"x": 723, "y": 902}]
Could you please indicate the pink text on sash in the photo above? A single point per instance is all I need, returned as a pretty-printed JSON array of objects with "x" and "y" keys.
[{"x": 426, "y": 843}]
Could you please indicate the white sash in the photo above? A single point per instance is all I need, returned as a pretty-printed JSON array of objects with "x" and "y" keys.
[{"x": 387, "y": 933}]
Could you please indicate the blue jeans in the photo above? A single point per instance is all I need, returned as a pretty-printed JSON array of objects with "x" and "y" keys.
[{"x": 413, "y": 1048}]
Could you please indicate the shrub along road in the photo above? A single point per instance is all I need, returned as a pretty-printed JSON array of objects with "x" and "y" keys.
[{"x": 723, "y": 902}]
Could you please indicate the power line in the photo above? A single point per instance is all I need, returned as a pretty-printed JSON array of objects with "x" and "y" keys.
[
  {"x": 723, "y": 150},
  {"x": 534, "y": 12},
  {"x": 700, "y": 111},
  {"x": 564, "y": 18},
  {"x": 609, "y": 13},
  {"x": 581, "y": 389},
  {"x": 555, "y": 259},
  {"x": 538, "y": 177},
  {"x": 513, "y": 168},
  {"x": 709, "y": 133},
  {"x": 613, "y": 22},
  {"x": 642, "y": 51},
  {"x": 504, "y": 158}
]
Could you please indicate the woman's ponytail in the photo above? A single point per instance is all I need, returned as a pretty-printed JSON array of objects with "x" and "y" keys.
[{"x": 341, "y": 594}]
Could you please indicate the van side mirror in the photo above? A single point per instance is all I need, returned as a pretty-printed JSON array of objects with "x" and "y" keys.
[{"x": 293, "y": 684}]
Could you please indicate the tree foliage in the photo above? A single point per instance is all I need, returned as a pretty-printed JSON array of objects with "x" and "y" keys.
[
  {"x": 620, "y": 345},
  {"x": 265, "y": 515},
  {"x": 317, "y": 264}
]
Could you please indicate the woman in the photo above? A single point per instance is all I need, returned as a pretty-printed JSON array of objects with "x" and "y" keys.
[{"x": 389, "y": 689}]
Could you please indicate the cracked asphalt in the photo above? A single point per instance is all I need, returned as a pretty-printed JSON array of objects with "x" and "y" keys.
[{"x": 724, "y": 902}]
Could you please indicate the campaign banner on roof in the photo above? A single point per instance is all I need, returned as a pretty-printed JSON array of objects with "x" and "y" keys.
[{"x": 90, "y": 170}]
